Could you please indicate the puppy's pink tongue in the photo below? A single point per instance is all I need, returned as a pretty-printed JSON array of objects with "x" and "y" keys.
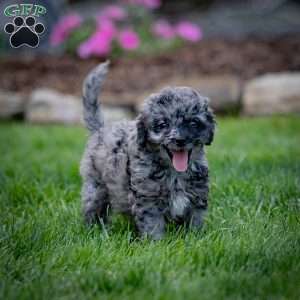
[{"x": 180, "y": 160}]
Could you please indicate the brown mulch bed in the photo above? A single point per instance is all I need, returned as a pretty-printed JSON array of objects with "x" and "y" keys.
[{"x": 245, "y": 59}]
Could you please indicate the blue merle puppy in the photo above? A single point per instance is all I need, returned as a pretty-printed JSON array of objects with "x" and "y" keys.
[{"x": 153, "y": 168}]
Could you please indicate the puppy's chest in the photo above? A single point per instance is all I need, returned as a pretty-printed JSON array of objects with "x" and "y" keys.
[
  {"x": 178, "y": 199},
  {"x": 182, "y": 190}
]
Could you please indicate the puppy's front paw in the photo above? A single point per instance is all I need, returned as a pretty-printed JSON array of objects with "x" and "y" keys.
[
  {"x": 196, "y": 219},
  {"x": 154, "y": 235},
  {"x": 150, "y": 223}
]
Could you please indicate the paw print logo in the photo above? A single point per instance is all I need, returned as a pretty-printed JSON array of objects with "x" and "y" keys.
[{"x": 24, "y": 32}]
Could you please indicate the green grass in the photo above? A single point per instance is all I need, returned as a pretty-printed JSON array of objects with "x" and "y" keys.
[{"x": 249, "y": 248}]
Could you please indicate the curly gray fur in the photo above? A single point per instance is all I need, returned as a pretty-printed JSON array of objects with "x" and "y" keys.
[{"x": 141, "y": 167}]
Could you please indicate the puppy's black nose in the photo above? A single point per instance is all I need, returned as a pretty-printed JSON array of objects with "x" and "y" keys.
[{"x": 179, "y": 142}]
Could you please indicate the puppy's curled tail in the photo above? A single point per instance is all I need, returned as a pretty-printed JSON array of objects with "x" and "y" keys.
[{"x": 91, "y": 88}]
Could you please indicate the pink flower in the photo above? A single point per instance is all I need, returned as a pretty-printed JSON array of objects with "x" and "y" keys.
[
  {"x": 114, "y": 12},
  {"x": 64, "y": 27},
  {"x": 163, "y": 29},
  {"x": 99, "y": 44},
  {"x": 107, "y": 27},
  {"x": 128, "y": 39},
  {"x": 189, "y": 31}
]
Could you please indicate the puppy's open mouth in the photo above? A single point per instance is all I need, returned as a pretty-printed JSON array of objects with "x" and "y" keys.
[{"x": 180, "y": 158}]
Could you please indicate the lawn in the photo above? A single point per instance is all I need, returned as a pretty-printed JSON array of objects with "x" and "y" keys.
[{"x": 249, "y": 248}]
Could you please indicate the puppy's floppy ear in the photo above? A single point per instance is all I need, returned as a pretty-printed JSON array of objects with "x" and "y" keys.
[
  {"x": 141, "y": 131},
  {"x": 211, "y": 123}
]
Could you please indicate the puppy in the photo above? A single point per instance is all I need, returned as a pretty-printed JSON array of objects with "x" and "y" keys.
[{"x": 153, "y": 168}]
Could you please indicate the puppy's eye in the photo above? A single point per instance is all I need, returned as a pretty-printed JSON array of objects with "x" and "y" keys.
[
  {"x": 198, "y": 124},
  {"x": 194, "y": 124},
  {"x": 160, "y": 126}
]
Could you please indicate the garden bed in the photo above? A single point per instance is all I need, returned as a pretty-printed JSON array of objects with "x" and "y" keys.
[{"x": 245, "y": 59}]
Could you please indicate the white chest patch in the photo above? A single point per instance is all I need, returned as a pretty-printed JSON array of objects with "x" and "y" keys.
[{"x": 178, "y": 205}]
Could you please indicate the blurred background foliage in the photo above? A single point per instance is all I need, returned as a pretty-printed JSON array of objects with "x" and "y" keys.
[
  {"x": 111, "y": 28},
  {"x": 217, "y": 47}
]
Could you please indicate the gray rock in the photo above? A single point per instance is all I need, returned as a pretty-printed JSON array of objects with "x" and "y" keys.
[
  {"x": 50, "y": 106},
  {"x": 272, "y": 94},
  {"x": 11, "y": 104},
  {"x": 115, "y": 113},
  {"x": 120, "y": 99},
  {"x": 223, "y": 90}
]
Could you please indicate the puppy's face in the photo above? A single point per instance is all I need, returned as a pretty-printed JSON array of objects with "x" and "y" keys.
[{"x": 176, "y": 120}]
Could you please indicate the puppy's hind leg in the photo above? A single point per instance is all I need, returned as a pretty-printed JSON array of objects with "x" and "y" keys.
[{"x": 95, "y": 201}]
